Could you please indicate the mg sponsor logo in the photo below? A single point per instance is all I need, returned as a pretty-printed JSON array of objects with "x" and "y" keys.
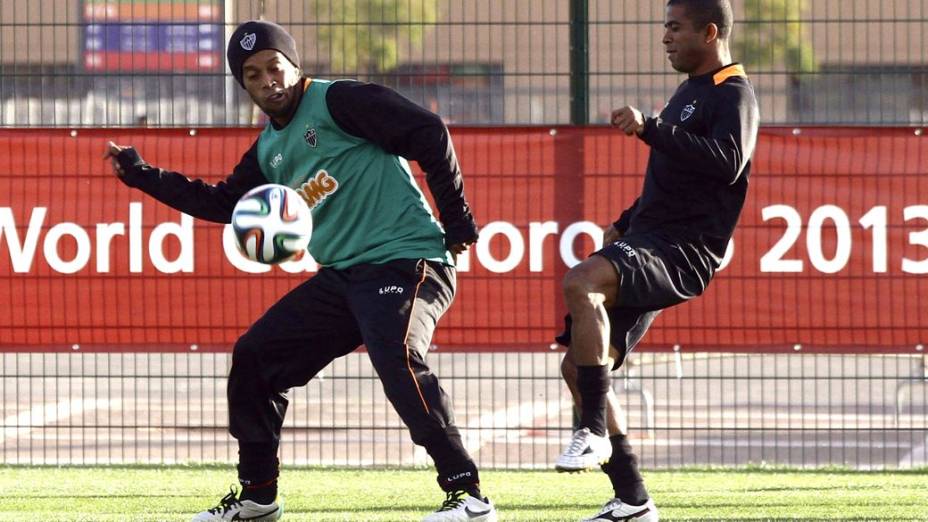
[{"x": 317, "y": 188}]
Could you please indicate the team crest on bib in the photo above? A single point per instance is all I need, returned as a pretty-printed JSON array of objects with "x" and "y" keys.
[
  {"x": 248, "y": 41},
  {"x": 310, "y": 137},
  {"x": 688, "y": 111}
]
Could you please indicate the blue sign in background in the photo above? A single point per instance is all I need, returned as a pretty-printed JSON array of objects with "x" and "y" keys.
[{"x": 153, "y": 38}]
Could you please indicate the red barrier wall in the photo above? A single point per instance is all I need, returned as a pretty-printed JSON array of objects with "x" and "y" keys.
[{"x": 805, "y": 269}]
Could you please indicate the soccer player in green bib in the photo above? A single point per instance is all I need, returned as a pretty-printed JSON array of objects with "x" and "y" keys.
[{"x": 387, "y": 264}]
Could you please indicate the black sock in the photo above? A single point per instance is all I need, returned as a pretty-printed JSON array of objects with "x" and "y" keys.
[
  {"x": 263, "y": 493},
  {"x": 593, "y": 384},
  {"x": 258, "y": 469},
  {"x": 622, "y": 469}
]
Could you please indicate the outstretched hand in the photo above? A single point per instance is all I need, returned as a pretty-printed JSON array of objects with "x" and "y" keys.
[{"x": 113, "y": 150}]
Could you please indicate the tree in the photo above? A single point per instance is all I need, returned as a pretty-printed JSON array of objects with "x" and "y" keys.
[
  {"x": 365, "y": 35},
  {"x": 773, "y": 34}
]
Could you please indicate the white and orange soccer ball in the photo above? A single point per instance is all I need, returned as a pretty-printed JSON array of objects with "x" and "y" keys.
[{"x": 272, "y": 224}]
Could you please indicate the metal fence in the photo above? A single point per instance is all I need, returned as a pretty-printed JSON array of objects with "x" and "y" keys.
[
  {"x": 140, "y": 63},
  {"x": 104, "y": 359},
  {"x": 862, "y": 411}
]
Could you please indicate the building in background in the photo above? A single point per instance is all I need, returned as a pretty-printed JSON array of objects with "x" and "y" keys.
[{"x": 122, "y": 62}]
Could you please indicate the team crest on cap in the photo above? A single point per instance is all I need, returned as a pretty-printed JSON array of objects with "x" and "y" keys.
[
  {"x": 310, "y": 137},
  {"x": 248, "y": 41},
  {"x": 688, "y": 111}
]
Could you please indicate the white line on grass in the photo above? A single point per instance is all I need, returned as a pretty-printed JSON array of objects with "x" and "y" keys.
[
  {"x": 499, "y": 423},
  {"x": 41, "y": 415},
  {"x": 915, "y": 458},
  {"x": 494, "y": 425}
]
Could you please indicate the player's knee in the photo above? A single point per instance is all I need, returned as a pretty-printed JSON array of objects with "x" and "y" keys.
[
  {"x": 578, "y": 287},
  {"x": 246, "y": 348},
  {"x": 387, "y": 356}
]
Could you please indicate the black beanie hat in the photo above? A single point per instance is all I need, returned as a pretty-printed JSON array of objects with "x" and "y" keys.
[{"x": 258, "y": 35}]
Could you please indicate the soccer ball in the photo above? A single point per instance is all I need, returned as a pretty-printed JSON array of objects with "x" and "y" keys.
[{"x": 272, "y": 224}]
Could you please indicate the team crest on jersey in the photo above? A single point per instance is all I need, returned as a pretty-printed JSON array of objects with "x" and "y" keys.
[
  {"x": 688, "y": 111},
  {"x": 310, "y": 137},
  {"x": 248, "y": 41}
]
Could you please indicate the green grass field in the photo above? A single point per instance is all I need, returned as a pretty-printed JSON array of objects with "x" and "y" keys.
[{"x": 174, "y": 493}]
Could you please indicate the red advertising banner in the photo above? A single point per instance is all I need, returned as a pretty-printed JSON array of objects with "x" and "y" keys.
[{"x": 830, "y": 254}]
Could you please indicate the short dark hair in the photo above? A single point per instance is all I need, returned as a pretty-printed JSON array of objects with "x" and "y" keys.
[{"x": 705, "y": 12}]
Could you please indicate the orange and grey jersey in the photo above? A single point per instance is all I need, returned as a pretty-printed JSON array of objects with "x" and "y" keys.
[{"x": 700, "y": 161}]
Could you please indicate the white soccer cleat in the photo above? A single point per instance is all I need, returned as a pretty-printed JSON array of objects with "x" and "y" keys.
[
  {"x": 584, "y": 451},
  {"x": 616, "y": 510},
  {"x": 231, "y": 508},
  {"x": 461, "y": 507}
]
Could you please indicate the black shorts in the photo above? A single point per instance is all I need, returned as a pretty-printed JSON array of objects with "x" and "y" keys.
[{"x": 655, "y": 272}]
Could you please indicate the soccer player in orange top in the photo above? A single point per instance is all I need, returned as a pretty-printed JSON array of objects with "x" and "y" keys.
[{"x": 665, "y": 248}]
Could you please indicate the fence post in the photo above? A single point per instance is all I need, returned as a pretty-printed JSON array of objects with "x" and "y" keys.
[{"x": 579, "y": 62}]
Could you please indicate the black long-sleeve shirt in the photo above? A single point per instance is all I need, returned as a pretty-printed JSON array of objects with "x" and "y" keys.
[
  {"x": 697, "y": 174},
  {"x": 369, "y": 111}
]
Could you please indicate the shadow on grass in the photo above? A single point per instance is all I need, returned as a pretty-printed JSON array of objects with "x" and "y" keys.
[
  {"x": 803, "y": 489},
  {"x": 79, "y": 496}
]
